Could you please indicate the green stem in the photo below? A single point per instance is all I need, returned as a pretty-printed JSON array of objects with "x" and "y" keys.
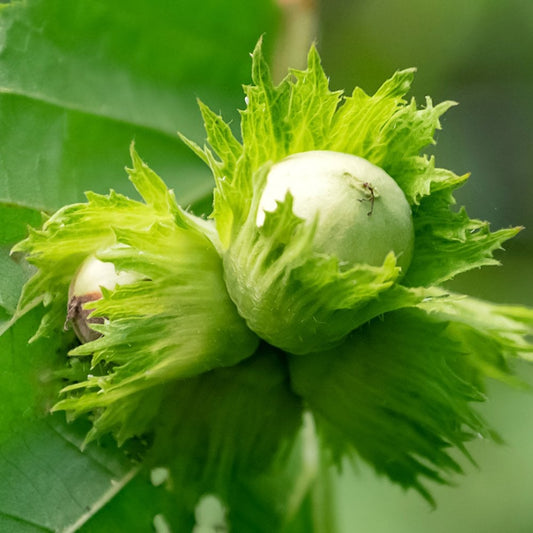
[
  {"x": 299, "y": 27},
  {"x": 322, "y": 500},
  {"x": 313, "y": 490}
]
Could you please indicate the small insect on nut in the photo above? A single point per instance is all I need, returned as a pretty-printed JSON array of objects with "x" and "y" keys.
[{"x": 371, "y": 196}]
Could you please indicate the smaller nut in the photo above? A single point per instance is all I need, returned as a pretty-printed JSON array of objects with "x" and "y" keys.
[
  {"x": 78, "y": 317},
  {"x": 86, "y": 286}
]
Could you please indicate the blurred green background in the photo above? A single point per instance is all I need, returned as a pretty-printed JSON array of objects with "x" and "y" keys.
[{"x": 111, "y": 85}]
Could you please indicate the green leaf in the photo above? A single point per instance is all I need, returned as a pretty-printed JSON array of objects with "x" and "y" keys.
[
  {"x": 13, "y": 277},
  {"x": 14, "y": 221},
  {"x": 140, "y": 506},
  {"x": 33, "y": 463},
  {"x": 40, "y": 459},
  {"x": 79, "y": 82}
]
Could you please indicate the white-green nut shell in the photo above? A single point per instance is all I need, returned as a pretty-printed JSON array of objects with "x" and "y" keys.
[{"x": 362, "y": 212}]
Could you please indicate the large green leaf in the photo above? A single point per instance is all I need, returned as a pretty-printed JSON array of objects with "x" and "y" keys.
[
  {"x": 81, "y": 79},
  {"x": 13, "y": 222},
  {"x": 40, "y": 459},
  {"x": 78, "y": 81}
]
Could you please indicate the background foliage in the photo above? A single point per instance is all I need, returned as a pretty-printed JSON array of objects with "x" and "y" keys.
[{"x": 80, "y": 79}]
